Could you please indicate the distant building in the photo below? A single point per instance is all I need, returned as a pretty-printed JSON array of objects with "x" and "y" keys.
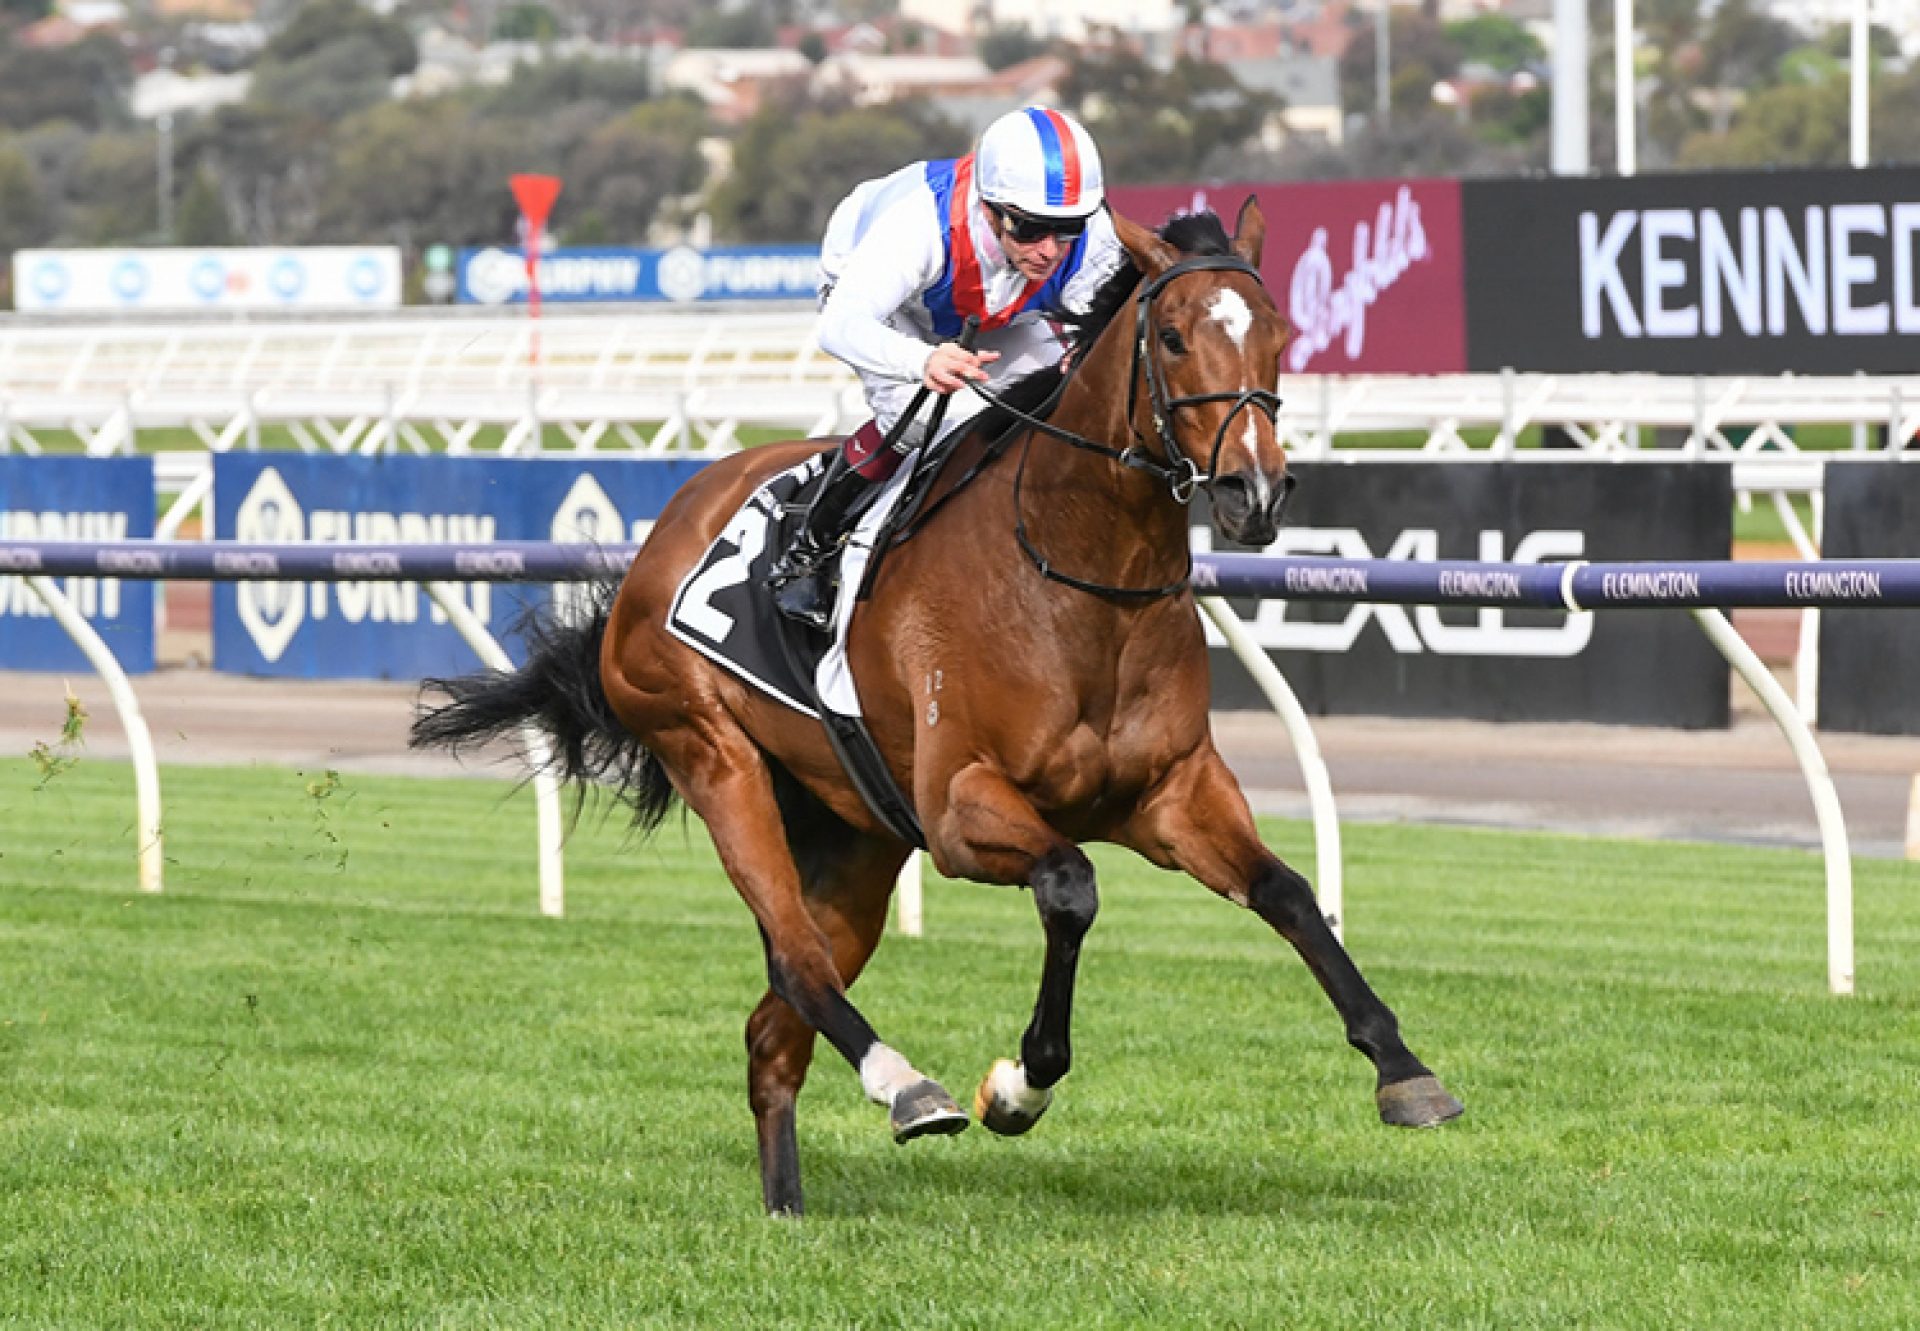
[
  {"x": 72, "y": 22},
  {"x": 1309, "y": 87},
  {"x": 163, "y": 92},
  {"x": 1035, "y": 82},
  {"x": 1071, "y": 20},
  {"x": 735, "y": 84},
  {"x": 870, "y": 80},
  {"x": 213, "y": 11}
]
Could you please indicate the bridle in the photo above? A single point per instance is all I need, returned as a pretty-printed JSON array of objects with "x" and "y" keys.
[{"x": 1175, "y": 468}]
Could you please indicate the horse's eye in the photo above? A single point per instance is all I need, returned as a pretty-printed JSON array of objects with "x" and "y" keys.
[{"x": 1172, "y": 341}]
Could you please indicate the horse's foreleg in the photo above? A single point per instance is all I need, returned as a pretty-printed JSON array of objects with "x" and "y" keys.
[
  {"x": 1197, "y": 820},
  {"x": 990, "y": 831}
]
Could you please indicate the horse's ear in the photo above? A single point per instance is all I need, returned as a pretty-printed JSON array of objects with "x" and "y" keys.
[
  {"x": 1250, "y": 231},
  {"x": 1151, "y": 255}
]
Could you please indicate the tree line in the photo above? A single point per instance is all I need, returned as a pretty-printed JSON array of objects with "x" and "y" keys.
[{"x": 321, "y": 152}]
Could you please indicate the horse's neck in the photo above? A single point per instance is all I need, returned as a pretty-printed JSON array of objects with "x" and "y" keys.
[{"x": 1090, "y": 515}]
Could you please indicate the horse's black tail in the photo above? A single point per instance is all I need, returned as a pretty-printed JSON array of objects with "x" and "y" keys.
[{"x": 558, "y": 692}]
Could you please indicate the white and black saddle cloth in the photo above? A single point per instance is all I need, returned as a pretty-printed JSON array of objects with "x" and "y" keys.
[{"x": 724, "y": 610}]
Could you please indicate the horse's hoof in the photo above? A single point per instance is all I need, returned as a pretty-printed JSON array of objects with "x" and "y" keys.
[
  {"x": 1418, "y": 1102},
  {"x": 925, "y": 1109},
  {"x": 1005, "y": 1103}
]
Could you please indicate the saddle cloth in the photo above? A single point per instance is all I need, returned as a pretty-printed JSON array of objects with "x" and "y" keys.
[{"x": 723, "y": 610}]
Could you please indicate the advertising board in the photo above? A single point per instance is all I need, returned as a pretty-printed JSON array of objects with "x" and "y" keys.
[
  {"x": 1367, "y": 272},
  {"x": 498, "y": 276},
  {"x": 1631, "y": 667},
  {"x": 1868, "y": 657},
  {"x": 75, "y": 499},
  {"x": 1742, "y": 272},
  {"x": 377, "y": 629},
  {"x": 313, "y": 278}
]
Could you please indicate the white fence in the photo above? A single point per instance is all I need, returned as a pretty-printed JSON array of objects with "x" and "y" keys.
[{"x": 662, "y": 380}]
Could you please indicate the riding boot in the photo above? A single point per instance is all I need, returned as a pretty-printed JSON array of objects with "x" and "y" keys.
[{"x": 803, "y": 577}]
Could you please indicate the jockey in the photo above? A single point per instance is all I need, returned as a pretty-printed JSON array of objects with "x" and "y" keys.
[{"x": 1012, "y": 234}]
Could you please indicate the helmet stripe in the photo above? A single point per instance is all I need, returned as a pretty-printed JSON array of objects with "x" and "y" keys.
[{"x": 1062, "y": 156}]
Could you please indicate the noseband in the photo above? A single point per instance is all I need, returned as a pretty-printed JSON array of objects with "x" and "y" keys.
[{"x": 1175, "y": 467}]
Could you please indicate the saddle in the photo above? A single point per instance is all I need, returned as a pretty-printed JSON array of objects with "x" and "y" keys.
[{"x": 723, "y": 610}]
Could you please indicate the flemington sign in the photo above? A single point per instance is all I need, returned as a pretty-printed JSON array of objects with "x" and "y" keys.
[{"x": 1801, "y": 271}]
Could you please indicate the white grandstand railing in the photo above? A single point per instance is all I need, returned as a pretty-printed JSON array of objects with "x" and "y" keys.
[{"x": 667, "y": 381}]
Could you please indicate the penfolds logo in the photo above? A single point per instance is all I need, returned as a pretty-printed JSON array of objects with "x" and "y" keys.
[{"x": 1324, "y": 310}]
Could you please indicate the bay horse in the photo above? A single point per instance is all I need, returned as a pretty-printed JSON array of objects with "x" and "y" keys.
[{"x": 1032, "y": 668}]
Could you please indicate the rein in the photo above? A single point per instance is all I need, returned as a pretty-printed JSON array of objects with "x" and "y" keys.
[{"x": 1181, "y": 475}]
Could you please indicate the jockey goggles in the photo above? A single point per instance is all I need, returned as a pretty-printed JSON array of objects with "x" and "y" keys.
[{"x": 1030, "y": 230}]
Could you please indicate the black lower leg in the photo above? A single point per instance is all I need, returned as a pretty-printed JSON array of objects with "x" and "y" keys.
[
  {"x": 1065, "y": 893},
  {"x": 827, "y": 1010},
  {"x": 779, "y": 1050},
  {"x": 1283, "y": 899}
]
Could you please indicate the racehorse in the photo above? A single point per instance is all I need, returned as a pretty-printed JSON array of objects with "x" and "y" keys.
[{"x": 1032, "y": 668}]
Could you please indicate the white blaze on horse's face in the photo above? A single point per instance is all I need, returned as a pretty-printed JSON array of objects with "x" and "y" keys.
[
  {"x": 1238, "y": 339},
  {"x": 1231, "y": 313}
]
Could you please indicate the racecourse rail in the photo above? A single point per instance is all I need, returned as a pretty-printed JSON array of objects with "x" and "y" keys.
[{"x": 1703, "y": 588}]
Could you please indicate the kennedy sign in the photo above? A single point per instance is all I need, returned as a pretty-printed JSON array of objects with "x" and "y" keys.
[
  {"x": 1812, "y": 272},
  {"x": 1367, "y": 272}
]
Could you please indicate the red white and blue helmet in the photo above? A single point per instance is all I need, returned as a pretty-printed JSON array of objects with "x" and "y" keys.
[{"x": 1040, "y": 162}]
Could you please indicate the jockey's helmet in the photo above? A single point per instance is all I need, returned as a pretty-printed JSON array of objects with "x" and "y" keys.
[{"x": 1039, "y": 162}]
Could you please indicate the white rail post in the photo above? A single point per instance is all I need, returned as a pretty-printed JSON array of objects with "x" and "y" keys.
[
  {"x": 1826, "y": 800},
  {"x": 908, "y": 897},
  {"x": 1913, "y": 819},
  {"x": 1306, "y": 747},
  {"x": 546, "y": 786},
  {"x": 146, "y": 770}
]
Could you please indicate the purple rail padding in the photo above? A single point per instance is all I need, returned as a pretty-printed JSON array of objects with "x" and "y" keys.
[
  {"x": 1832, "y": 583},
  {"x": 1379, "y": 581},
  {"x": 230, "y": 561}
]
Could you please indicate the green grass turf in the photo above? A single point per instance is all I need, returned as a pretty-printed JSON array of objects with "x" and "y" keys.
[{"x": 341, "y": 1073}]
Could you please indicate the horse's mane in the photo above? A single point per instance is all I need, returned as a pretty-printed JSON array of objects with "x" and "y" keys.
[{"x": 1190, "y": 233}]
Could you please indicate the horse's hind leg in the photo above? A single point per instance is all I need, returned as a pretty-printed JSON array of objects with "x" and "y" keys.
[
  {"x": 725, "y": 780},
  {"x": 851, "y": 911},
  {"x": 1198, "y": 820},
  {"x": 989, "y": 831}
]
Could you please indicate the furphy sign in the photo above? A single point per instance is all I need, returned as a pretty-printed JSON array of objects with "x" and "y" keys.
[
  {"x": 498, "y": 276},
  {"x": 379, "y": 628},
  {"x": 75, "y": 499},
  {"x": 1494, "y": 663},
  {"x": 1813, "y": 272},
  {"x": 1367, "y": 272}
]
